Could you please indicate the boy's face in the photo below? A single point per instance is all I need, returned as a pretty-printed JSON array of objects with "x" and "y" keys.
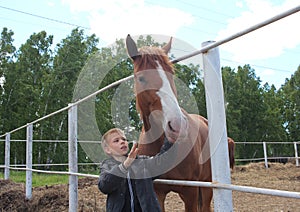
[{"x": 117, "y": 144}]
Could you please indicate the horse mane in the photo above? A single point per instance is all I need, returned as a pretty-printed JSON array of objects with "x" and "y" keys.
[{"x": 148, "y": 58}]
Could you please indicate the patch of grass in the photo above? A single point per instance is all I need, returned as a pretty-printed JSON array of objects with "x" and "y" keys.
[
  {"x": 38, "y": 179},
  {"x": 49, "y": 179}
]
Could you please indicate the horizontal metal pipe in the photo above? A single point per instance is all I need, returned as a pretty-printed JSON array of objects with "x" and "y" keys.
[{"x": 248, "y": 189}]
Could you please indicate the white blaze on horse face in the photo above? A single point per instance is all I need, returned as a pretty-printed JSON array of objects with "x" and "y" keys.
[{"x": 174, "y": 119}]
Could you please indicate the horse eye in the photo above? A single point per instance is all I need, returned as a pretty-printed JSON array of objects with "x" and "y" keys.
[{"x": 141, "y": 79}]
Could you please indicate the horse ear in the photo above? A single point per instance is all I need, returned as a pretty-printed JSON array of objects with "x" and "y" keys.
[
  {"x": 131, "y": 48},
  {"x": 167, "y": 47}
]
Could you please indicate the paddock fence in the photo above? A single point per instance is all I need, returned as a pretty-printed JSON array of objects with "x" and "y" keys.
[
  {"x": 262, "y": 146},
  {"x": 221, "y": 174}
]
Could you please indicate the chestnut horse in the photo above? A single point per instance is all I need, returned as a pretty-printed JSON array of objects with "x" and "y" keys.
[
  {"x": 231, "y": 147},
  {"x": 156, "y": 102}
]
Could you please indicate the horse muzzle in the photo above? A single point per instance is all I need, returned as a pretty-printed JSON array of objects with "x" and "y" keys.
[{"x": 176, "y": 127}]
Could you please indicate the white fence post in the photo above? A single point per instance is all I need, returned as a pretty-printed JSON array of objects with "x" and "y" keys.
[
  {"x": 29, "y": 162},
  {"x": 217, "y": 128},
  {"x": 72, "y": 137},
  {"x": 7, "y": 156},
  {"x": 265, "y": 154},
  {"x": 296, "y": 154}
]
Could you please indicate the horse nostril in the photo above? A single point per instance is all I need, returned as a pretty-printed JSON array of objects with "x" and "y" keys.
[{"x": 171, "y": 128}]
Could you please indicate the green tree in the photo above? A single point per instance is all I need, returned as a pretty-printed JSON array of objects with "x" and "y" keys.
[
  {"x": 23, "y": 87},
  {"x": 273, "y": 120},
  {"x": 190, "y": 76},
  {"x": 37, "y": 80},
  {"x": 244, "y": 108},
  {"x": 7, "y": 51},
  {"x": 291, "y": 110},
  {"x": 71, "y": 55},
  {"x": 119, "y": 66},
  {"x": 233, "y": 112},
  {"x": 36, "y": 84}
]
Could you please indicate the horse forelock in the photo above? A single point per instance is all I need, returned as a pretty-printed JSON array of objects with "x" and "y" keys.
[{"x": 149, "y": 56}]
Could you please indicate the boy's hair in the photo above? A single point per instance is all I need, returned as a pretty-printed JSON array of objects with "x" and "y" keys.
[{"x": 109, "y": 132}]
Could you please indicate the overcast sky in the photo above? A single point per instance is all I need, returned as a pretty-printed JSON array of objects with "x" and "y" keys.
[{"x": 273, "y": 51}]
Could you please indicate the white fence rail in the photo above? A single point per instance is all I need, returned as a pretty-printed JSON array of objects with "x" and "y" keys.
[
  {"x": 266, "y": 157},
  {"x": 72, "y": 140}
]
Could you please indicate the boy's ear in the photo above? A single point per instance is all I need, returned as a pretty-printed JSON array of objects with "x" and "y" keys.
[{"x": 107, "y": 150}]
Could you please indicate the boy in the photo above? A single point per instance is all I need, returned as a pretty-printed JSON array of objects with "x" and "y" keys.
[{"x": 117, "y": 173}]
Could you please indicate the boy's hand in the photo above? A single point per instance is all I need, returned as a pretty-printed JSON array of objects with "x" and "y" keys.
[{"x": 131, "y": 156}]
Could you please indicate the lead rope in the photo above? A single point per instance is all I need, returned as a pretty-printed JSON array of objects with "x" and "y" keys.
[{"x": 131, "y": 192}]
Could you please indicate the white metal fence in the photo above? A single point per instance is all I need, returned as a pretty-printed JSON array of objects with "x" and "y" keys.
[
  {"x": 220, "y": 188},
  {"x": 73, "y": 172},
  {"x": 271, "y": 157},
  {"x": 263, "y": 146}
]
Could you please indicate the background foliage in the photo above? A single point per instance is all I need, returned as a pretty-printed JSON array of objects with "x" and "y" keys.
[{"x": 39, "y": 78}]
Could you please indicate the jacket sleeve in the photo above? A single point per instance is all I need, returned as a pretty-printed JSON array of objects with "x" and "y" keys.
[
  {"x": 166, "y": 146},
  {"x": 153, "y": 167},
  {"x": 112, "y": 176}
]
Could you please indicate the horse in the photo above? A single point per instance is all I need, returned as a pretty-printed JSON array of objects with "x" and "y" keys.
[
  {"x": 157, "y": 104},
  {"x": 231, "y": 147}
]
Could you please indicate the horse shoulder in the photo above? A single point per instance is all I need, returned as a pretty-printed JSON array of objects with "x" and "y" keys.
[{"x": 200, "y": 121}]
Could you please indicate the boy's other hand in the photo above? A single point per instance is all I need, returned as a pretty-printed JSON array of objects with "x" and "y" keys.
[{"x": 131, "y": 155}]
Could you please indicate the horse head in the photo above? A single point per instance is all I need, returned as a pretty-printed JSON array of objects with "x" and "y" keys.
[{"x": 156, "y": 95}]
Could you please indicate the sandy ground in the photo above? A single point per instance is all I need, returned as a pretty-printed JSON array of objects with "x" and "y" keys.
[{"x": 55, "y": 198}]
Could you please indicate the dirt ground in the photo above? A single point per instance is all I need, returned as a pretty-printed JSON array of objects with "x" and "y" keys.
[{"x": 55, "y": 198}]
